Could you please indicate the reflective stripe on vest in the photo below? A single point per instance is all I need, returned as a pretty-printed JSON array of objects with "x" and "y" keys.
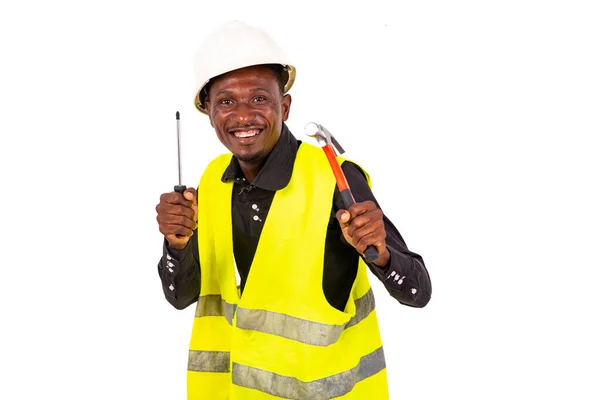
[
  {"x": 285, "y": 386},
  {"x": 213, "y": 305},
  {"x": 208, "y": 361},
  {"x": 325, "y": 388},
  {"x": 300, "y": 330}
]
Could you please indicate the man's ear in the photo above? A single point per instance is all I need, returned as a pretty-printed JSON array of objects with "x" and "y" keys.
[{"x": 286, "y": 103}]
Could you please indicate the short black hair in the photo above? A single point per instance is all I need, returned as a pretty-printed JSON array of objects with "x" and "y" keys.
[{"x": 279, "y": 70}]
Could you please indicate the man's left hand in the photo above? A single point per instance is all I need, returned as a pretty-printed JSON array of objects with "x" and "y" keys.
[{"x": 362, "y": 225}]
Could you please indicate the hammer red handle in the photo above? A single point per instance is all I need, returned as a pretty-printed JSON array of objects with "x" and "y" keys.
[{"x": 371, "y": 253}]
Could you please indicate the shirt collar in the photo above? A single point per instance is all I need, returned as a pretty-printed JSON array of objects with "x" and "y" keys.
[{"x": 276, "y": 172}]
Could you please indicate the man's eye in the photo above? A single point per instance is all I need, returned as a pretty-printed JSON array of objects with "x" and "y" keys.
[
  {"x": 259, "y": 99},
  {"x": 225, "y": 102}
]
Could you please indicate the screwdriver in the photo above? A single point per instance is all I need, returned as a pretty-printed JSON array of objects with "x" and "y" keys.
[{"x": 179, "y": 188}]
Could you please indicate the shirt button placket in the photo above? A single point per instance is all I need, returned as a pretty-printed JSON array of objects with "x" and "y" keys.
[{"x": 256, "y": 217}]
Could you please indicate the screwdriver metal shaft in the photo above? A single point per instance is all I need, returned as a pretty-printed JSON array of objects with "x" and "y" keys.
[{"x": 179, "y": 188}]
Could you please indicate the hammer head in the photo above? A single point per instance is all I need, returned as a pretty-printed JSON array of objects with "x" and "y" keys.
[{"x": 323, "y": 136}]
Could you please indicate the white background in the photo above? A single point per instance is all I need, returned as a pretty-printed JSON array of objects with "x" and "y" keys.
[{"x": 478, "y": 122}]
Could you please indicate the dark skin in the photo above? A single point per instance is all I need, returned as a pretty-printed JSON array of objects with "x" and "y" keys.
[
  {"x": 247, "y": 109},
  {"x": 243, "y": 102}
]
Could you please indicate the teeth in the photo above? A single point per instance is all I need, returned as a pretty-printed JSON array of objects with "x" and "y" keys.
[{"x": 246, "y": 134}]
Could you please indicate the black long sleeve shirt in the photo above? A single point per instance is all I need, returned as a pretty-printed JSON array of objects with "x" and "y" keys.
[{"x": 405, "y": 276}]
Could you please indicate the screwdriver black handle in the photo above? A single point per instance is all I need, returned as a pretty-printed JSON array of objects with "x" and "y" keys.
[
  {"x": 180, "y": 188},
  {"x": 371, "y": 253}
]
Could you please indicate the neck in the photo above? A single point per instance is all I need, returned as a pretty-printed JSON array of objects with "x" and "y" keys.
[{"x": 251, "y": 168}]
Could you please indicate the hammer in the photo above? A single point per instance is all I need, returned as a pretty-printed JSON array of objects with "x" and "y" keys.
[{"x": 328, "y": 143}]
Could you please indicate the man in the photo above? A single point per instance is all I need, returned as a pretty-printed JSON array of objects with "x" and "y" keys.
[{"x": 268, "y": 252}]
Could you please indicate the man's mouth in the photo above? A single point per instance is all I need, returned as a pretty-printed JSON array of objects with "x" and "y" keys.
[{"x": 245, "y": 133}]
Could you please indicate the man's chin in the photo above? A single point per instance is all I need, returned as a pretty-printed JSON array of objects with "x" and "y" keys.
[{"x": 249, "y": 157}]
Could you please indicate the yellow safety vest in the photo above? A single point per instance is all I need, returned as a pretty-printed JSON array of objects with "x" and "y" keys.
[{"x": 281, "y": 338}]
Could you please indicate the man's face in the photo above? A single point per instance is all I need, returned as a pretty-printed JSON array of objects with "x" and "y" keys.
[{"x": 247, "y": 110}]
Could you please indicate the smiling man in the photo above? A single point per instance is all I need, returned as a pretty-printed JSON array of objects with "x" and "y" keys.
[
  {"x": 266, "y": 250},
  {"x": 247, "y": 108}
]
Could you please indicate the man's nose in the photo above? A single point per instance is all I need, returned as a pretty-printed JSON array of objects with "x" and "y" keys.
[{"x": 244, "y": 113}]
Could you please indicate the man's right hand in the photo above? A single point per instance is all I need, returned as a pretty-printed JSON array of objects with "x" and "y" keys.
[{"x": 177, "y": 216}]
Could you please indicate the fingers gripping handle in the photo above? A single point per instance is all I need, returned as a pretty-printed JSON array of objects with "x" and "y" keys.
[{"x": 371, "y": 253}]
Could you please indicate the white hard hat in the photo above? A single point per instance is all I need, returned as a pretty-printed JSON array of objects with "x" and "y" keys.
[{"x": 235, "y": 45}]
